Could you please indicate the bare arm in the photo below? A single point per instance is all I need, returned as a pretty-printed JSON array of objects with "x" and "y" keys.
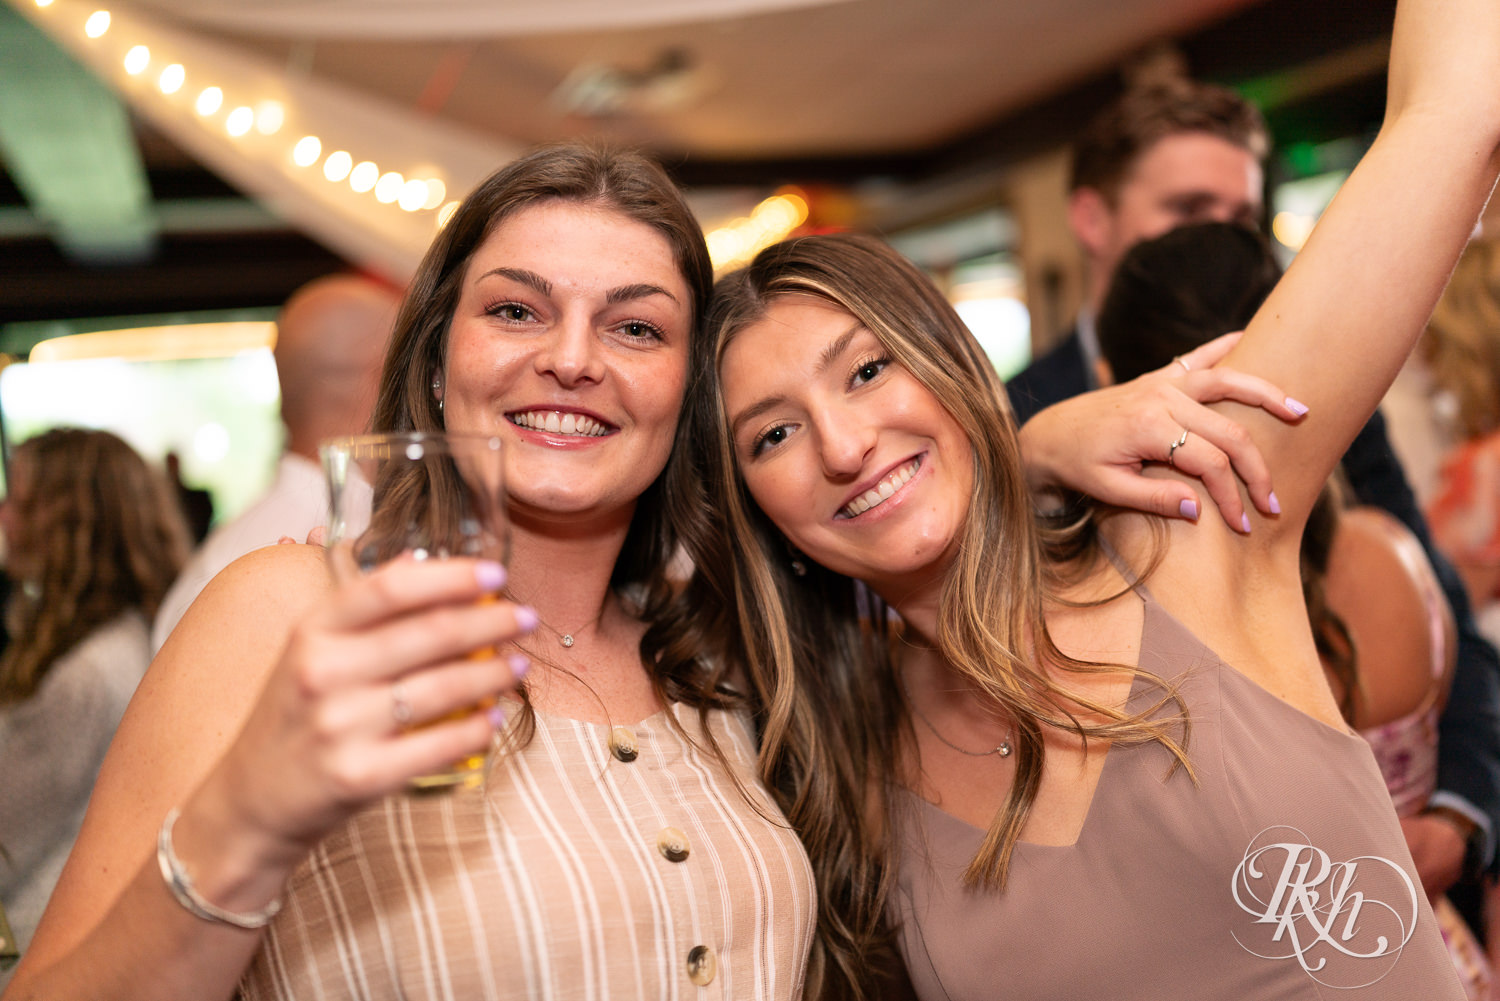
[
  {"x": 267, "y": 719},
  {"x": 1333, "y": 334},
  {"x": 1337, "y": 328}
]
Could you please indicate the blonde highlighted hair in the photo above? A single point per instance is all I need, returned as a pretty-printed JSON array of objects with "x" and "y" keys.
[{"x": 1462, "y": 342}]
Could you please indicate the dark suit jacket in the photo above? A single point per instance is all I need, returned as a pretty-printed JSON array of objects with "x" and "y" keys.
[
  {"x": 1058, "y": 375},
  {"x": 1469, "y": 730}
]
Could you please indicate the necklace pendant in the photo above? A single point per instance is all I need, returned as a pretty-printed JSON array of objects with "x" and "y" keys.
[
  {"x": 567, "y": 640},
  {"x": 1004, "y": 749}
]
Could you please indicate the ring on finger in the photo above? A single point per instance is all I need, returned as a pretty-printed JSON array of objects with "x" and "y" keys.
[
  {"x": 1183, "y": 362},
  {"x": 400, "y": 708},
  {"x": 1172, "y": 448}
]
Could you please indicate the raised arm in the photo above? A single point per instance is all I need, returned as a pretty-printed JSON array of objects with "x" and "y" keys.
[
  {"x": 1339, "y": 325},
  {"x": 266, "y": 719}
]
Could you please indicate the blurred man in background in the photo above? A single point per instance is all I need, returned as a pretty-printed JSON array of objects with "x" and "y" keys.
[
  {"x": 331, "y": 338},
  {"x": 1159, "y": 157}
]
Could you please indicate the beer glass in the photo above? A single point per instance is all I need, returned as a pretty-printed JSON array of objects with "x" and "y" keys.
[{"x": 428, "y": 494}]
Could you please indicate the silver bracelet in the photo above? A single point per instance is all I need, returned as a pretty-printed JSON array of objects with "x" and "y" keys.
[{"x": 181, "y": 885}]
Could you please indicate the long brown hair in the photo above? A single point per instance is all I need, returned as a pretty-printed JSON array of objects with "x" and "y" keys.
[
  {"x": 817, "y": 648},
  {"x": 101, "y": 533},
  {"x": 674, "y": 504}
]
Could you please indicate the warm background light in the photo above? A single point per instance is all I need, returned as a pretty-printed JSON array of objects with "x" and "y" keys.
[
  {"x": 363, "y": 177},
  {"x": 186, "y": 340},
  {"x": 209, "y": 100},
  {"x": 336, "y": 167},
  {"x": 172, "y": 78},
  {"x": 307, "y": 151}
]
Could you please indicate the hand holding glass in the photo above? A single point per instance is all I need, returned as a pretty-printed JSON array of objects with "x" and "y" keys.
[{"x": 430, "y": 495}]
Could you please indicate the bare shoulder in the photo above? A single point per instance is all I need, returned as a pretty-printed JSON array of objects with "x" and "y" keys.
[
  {"x": 1376, "y": 539},
  {"x": 187, "y": 711},
  {"x": 1381, "y": 584},
  {"x": 230, "y": 636}
]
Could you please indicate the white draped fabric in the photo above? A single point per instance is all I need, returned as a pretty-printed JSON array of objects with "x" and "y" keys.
[
  {"x": 456, "y": 18},
  {"x": 382, "y": 237}
]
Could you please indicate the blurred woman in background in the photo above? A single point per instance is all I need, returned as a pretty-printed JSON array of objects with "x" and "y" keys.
[
  {"x": 1461, "y": 351},
  {"x": 95, "y": 538}
]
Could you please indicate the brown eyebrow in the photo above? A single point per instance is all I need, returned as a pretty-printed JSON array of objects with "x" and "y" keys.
[
  {"x": 625, "y": 293},
  {"x": 840, "y": 344},
  {"x": 527, "y": 278},
  {"x": 826, "y": 358},
  {"x": 753, "y": 411}
]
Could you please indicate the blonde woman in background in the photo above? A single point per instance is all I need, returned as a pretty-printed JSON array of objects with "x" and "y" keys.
[{"x": 1461, "y": 350}]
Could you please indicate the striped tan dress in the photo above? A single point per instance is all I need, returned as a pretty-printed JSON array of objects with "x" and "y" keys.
[{"x": 596, "y": 864}]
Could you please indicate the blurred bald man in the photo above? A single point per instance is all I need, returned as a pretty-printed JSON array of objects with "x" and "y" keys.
[{"x": 331, "y": 338}]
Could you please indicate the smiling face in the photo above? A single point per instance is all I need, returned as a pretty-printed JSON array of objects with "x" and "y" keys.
[
  {"x": 852, "y": 458},
  {"x": 570, "y": 341}
]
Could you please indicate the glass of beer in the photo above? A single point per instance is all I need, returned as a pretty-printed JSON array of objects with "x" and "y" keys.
[{"x": 430, "y": 495}]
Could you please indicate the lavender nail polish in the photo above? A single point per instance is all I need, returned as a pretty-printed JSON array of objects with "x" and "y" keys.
[
  {"x": 1275, "y": 504},
  {"x": 526, "y": 617},
  {"x": 1189, "y": 509},
  {"x": 491, "y": 575},
  {"x": 496, "y": 716},
  {"x": 1296, "y": 406},
  {"x": 1245, "y": 523},
  {"x": 519, "y": 665}
]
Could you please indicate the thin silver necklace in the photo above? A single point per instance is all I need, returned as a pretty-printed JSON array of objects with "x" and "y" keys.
[
  {"x": 567, "y": 639},
  {"x": 1003, "y": 749}
]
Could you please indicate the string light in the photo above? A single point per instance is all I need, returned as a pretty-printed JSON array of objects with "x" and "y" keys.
[
  {"x": 239, "y": 121},
  {"x": 417, "y": 194},
  {"x": 336, "y": 167},
  {"x": 307, "y": 151},
  {"x": 413, "y": 195},
  {"x": 269, "y": 117},
  {"x": 137, "y": 59},
  {"x": 388, "y": 188},
  {"x": 171, "y": 78},
  {"x": 209, "y": 101},
  {"x": 363, "y": 177}
]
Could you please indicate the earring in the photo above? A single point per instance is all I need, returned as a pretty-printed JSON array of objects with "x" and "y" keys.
[
  {"x": 437, "y": 389},
  {"x": 799, "y": 567}
]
